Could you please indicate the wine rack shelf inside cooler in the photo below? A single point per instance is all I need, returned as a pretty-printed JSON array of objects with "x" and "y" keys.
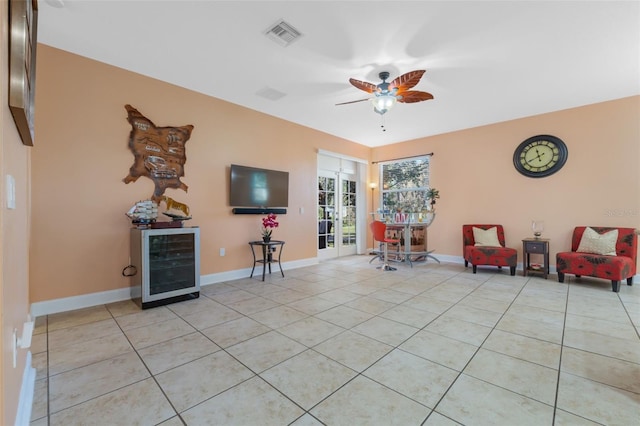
[{"x": 168, "y": 265}]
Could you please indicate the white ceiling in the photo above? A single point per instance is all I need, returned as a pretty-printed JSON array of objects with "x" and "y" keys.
[{"x": 486, "y": 61}]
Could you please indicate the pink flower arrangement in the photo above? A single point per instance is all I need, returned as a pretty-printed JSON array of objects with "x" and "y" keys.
[{"x": 268, "y": 223}]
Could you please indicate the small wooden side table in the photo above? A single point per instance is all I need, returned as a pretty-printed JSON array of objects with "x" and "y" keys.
[{"x": 535, "y": 246}]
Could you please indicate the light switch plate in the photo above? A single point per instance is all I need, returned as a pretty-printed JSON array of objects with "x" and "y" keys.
[{"x": 11, "y": 192}]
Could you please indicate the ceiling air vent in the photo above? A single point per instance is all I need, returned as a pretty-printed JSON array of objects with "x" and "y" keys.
[
  {"x": 271, "y": 94},
  {"x": 282, "y": 33}
]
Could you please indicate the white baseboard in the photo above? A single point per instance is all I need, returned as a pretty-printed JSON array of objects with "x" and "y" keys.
[
  {"x": 93, "y": 299},
  {"x": 519, "y": 267},
  {"x": 25, "y": 403},
  {"x": 78, "y": 302},
  {"x": 460, "y": 259},
  {"x": 246, "y": 272},
  {"x": 446, "y": 258},
  {"x": 65, "y": 304}
]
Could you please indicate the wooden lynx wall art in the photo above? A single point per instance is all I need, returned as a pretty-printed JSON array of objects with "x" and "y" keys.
[{"x": 159, "y": 153}]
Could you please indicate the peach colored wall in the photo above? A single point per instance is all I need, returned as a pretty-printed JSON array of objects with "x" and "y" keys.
[
  {"x": 81, "y": 234},
  {"x": 14, "y": 243},
  {"x": 473, "y": 169}
]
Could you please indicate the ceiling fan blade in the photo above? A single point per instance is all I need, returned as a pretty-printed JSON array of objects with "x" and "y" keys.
[
  {"x": 353, "y": 102},
  {"x": 411, "y": 96},
  {"x": 363, "y": 85},
  {"x": 406, "y": 81}
]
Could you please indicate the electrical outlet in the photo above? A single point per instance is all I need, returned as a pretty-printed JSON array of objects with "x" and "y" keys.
[{"x": 222, "y": 252}]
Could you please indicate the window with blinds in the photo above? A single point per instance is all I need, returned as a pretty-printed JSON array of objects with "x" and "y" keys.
[{"x": 405, "y": 184}]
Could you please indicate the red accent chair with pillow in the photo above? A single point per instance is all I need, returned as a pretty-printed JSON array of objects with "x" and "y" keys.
[
  {"x": 601, "y": 252},
  {"x": 484, "y": 245}
]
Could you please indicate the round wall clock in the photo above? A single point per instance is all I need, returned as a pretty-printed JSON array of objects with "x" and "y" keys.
[{"x": 540, "y": 156}]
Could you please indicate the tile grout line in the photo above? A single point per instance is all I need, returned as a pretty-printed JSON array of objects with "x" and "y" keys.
[
  {"x": 386, "y": 286},
  {"x": 564, "y": 326},
  {"x": 476, "y": 351}
]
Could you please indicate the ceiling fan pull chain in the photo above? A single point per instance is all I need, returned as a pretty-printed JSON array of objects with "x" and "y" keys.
[{"x": 384, "y": 129}]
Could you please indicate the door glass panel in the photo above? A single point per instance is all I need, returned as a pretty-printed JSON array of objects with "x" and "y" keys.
[
  {"x": 326, "y": 211},
  {"x": 348, "y": 212}
]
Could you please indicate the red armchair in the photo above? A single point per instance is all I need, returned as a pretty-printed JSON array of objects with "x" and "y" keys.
[
  {"x": 496, "y": 255},
  {"x": 616, "y": 267}
]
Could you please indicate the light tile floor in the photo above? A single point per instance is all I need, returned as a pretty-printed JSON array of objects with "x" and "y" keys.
[{"x": 342, "y": 343}]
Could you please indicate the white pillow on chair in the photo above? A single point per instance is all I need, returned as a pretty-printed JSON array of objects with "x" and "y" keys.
[
  {"x": 486, "y": 237},
  {"x": 595, "y": 243}
]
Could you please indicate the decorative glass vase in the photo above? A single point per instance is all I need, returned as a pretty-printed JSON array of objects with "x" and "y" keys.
[
  {"x": 266, "y": 239},
  {"x": 537, "y": 226},
  {"x": 428, "y": 217}
]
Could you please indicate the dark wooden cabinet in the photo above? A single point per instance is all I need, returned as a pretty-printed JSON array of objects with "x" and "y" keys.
[{"x": 536, "y": 246}]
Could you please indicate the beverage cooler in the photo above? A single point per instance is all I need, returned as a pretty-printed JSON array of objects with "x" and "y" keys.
[{"x": 167, "y": 264}]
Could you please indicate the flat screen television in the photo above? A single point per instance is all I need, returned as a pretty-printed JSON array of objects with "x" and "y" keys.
[{"x": 254, "y": 187}]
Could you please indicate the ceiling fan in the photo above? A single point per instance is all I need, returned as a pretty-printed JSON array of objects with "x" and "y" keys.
[{"x": 387, "y": 94}]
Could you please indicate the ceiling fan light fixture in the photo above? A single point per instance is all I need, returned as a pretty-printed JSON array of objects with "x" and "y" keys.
[
  {"x": 386, "y": 95},
  {"x": 383, "y": 103}
]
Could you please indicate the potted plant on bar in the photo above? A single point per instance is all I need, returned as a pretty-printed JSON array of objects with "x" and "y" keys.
[
  {"x": 432, "y": 195},
  {"x": 429, "y": 214}
]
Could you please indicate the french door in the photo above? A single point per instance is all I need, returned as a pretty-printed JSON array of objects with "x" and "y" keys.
[{"x": 337, "y": 214}]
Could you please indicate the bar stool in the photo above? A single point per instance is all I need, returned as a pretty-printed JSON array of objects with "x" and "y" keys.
[{"x": 379, "y": 230}]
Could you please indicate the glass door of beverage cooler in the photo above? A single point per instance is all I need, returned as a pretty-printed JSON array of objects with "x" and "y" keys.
[
  {"x": 171, "y": 262},
  {"x": 167, "y": 265}
]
